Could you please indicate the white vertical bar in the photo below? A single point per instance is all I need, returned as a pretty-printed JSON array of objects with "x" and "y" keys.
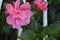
[
  {"x": 24, "y": 1},
  {"x": 1, "y": 3},
  {"x": 45, "y": 22},
  {"x": 45, "y": 0},
  {"x": 19, "y": 33}
]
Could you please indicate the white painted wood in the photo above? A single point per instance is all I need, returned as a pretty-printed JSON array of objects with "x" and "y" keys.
[
  {"x": 20, "y": 30},
  {"x": 45, "y": 21},
  {"x": 24, "y": 1},
  {"x": 18, "y": 39},
  {"x": 45, "y": 0},
  {"x": 1, "y": 3}
]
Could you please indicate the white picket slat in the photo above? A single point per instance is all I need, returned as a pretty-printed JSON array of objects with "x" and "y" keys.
[
  {"x": 45, "y": 20},
  {"x": 1, "y": 3}
]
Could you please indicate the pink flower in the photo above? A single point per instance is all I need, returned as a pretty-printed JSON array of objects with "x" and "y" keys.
[
  {"x": 25, "y": 6},
  {"x": 41, "y": 5},
  {"x": 18, "y": 15}
]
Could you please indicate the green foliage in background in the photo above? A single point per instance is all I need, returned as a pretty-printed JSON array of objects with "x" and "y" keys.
[{"x": 34, "y": 30}]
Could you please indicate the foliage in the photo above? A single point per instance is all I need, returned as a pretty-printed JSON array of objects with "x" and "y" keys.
[{"x": 34, "y": 30}]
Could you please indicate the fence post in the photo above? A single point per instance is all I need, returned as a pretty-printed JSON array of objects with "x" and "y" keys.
[
  {"x": 1, "y": 4},
  {"x": 19, "y": 33},
  {"x": 45, "y": 21}
]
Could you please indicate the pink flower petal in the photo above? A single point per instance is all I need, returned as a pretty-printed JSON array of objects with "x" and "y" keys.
[
  {"x": 27, "y": 21},
  {"x": 9, "y": 8},
  {"x": 9, "y": 20},
  {"x": 25, "y": 6},
  {"x": 15, "y": 26},
  {"x": 17, "y": 4},
  {"x": 17, "y": 21},
  {"x": 41, "y": 5},
  {"x": 22, "y": 15},
  {"x": 28, "y": 13},
  {"x": 20, "y": 22}
]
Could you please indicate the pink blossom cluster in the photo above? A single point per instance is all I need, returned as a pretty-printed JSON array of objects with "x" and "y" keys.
[
  {"x": 41, "y": 4},
  {"x": 18, "y": 15}
]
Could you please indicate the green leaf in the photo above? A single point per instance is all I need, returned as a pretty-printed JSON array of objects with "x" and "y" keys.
[
  {"x": 37, "y": 27},
  {"x": 50, "y": 38},
  {"x": 28, "y": 35},
  {"x": 53, "y": 29},
  {"x": 45, "y": 32},
  {"x": 53, "y": 1}
]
